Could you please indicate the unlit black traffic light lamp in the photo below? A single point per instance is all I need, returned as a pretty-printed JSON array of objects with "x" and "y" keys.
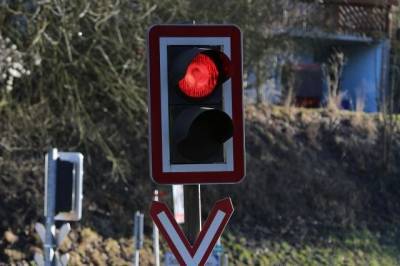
[
  {"x": 64, "y": 187},
  {"x": 63, "y": 202},
  {"x": 199, "y": 126}
]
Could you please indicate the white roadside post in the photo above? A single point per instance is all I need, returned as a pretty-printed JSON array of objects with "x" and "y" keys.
[{"x": 156, "y": 245}]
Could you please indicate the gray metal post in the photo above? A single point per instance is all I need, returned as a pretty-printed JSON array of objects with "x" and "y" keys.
[
  {"x": 192, "y": 211},
  {"x": 50, "y": 186},
  {"x": 156, "y": 245},
  {"x": 225, "y": 260},
  {"x": 138, "y": 232}
]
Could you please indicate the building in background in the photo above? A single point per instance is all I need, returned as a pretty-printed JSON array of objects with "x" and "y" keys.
[{"x": 341, "y": 49}]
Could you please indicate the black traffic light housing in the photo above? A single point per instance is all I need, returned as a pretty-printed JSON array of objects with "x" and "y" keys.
[
  {"x": 199, "y": 126},
  {"x": 196, "y": 130}
]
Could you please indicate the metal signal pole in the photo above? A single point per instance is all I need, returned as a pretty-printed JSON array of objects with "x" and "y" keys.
[
  {"x": 138, "y": 235},
  {"x": 192, "y": 225},
  {"x": 49, "y": 244}
]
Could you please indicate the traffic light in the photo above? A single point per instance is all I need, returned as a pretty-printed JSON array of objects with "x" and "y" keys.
[
  {"x": 196, "y": 104},
  {"x": 63, "y": 185}
]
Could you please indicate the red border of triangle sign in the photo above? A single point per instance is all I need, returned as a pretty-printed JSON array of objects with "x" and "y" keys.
[{"x": 185, "y": 253}]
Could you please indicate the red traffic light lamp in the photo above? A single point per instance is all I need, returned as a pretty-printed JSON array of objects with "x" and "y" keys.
[
  {"x": 200, "y": 78},
  {"x": 200, "y": 71}
]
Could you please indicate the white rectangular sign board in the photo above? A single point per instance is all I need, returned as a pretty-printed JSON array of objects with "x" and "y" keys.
[{"x": 179, "y": 210}]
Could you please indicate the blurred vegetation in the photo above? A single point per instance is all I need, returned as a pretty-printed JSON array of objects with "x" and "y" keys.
[
  {"x": 78, "y": 71},
  {"x": 87, "y": 89},
  {"x": 355, "y": 249},
  {"x": 87, "y": 93}
]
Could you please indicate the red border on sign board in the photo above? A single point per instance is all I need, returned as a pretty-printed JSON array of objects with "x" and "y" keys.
[
  {"x": 154, "y": 84},
  {"x": 174, "y": 233}
]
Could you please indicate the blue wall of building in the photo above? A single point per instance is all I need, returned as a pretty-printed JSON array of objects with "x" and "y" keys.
[{"x": 361, "y": 78}]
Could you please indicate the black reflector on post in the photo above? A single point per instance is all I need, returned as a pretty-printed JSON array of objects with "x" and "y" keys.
[
  {"x": 64, "y": 186},
  {"x": 199, "y": 132}
]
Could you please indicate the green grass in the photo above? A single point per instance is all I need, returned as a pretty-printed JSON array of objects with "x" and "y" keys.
[{"x": 358, "y": 248}]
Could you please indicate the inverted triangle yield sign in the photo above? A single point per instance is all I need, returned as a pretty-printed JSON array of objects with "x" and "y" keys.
[{"x": 184, "y": 252}]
